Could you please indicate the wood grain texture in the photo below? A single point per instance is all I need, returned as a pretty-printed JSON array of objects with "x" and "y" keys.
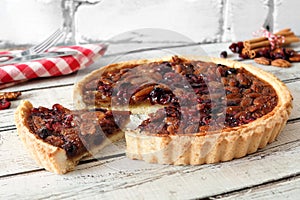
[
  {"x": 120, "y": 176},
  {"x": 288, "y": 189},
  {"x": 268, "y": 172}
]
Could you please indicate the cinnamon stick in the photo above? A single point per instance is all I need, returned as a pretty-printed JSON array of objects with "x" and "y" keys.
[
  {"x": 247, "y": 43},
  {"x": 256, "y": 45},
  {"x": 289, "y": 40},
  {"x": 245, "y": 52},
  {"x": 283, "y": 31},
  {"x": 252, "y": 53},
  {"x": 266, "y": 43},
  {"x": 263, "y": 41}
]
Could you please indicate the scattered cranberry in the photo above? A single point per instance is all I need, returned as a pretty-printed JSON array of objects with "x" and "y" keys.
[
  {"x": 236, "y": 47},
  {"x": 289, "y": 52},
  {"x": 265, "y": 52},
  {"x": 233, "y": 47},
  {"x": 223, "y": 54},
  {"x": 241, "y": 46},
  {"x": 4, "y": 104},
  {"x": 243, "y": 56}
]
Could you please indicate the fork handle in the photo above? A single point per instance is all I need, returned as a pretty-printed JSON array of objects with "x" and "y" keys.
[{"x": 6, "y": 57}]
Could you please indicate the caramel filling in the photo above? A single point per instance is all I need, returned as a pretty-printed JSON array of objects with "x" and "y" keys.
[{"x": 198, "y": 96}]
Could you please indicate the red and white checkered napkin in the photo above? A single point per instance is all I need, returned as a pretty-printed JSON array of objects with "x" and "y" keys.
[{"x": 56, "y": 66}]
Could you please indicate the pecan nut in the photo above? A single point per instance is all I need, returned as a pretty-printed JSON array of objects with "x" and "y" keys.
[
  {"x": 262, "y": 61},
  {"x": 281, "y": 63},
  {"x": 142, "y": 94},
  {"x": 295, "y": 58},
  {"x": 9, "y": 95}
]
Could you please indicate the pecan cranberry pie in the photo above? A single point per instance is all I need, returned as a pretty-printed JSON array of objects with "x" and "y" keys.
[
  {"x": 197, "y": 112},
  {"x": 58, "y": 137}
]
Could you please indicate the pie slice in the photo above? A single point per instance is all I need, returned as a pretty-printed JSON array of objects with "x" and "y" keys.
[
  {"x": 196, "y": 111},
  {"x": 58, "y": 137}
]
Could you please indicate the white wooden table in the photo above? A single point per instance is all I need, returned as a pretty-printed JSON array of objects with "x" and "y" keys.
[{"x": 272, "y": 172}]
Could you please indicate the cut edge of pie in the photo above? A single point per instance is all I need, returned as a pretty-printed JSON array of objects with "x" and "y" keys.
[{"x": 48, "y": 156}]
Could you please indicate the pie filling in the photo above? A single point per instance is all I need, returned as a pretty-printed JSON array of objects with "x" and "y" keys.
[
  {"x": 75, "y": 131},
  {"x": 197, "y": 96}
]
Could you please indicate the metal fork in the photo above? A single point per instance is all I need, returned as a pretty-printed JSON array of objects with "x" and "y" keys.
[{"x": 36, "y": 49}]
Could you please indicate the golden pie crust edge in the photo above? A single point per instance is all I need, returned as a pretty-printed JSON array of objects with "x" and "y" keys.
[
  {"x": 198, "y": 148},
  {"x": 53, "y": 159}
]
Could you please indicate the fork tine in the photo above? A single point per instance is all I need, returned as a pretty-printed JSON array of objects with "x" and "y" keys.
[
  {"x": 53, "y": 35},
  {"x": 48, "y": 42}
]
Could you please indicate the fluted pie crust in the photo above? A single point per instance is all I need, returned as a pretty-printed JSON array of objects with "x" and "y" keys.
[{"x": 177, "y": 149}]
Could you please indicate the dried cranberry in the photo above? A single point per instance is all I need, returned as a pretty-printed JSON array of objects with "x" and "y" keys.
[
  {"x": 236, "y": 47},
  {"x": 44, "y": 133},
  {"x": 289, "y": 52},
  {"x": 231, "y": 71},
  {"x": 105, "y": 88},
  {"x": 265, "y": 52},
  {"x": 240, "y": 46},
  {"x": 4, "y": 104},
  {"x": 223, "y": 54},
  {"x": 233, "y": 47},
  {"x": 70, "y": 149},
  {"x": 243, "y": 56},
  {"x": 58, "y": 107},
  {"x": 49, "y": 125},
  {"x": 68, "y": 121},
  {"x": 160, "y": 96}
]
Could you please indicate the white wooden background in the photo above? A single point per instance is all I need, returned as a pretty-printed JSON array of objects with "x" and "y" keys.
[
  {"x": 271, "y": 173},
  {"x": 29, "y": 21}
]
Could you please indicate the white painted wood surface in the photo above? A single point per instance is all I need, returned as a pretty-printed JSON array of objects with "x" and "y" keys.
[{"x": 272, "y": 172}]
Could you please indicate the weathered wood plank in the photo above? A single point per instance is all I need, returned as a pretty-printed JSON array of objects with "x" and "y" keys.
[
  {"x": 117, "y": 176},
  {"x": 288, "y": 189},
  {"x": 16, "y": 159},
  {"x": 134, "y": 179}
]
